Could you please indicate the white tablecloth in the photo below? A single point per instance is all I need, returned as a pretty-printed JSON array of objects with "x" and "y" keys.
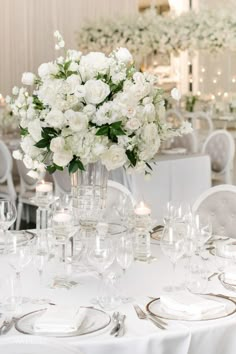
[
  {"x": 174, "y": 177},
  {"x": 142, "y": 337}
]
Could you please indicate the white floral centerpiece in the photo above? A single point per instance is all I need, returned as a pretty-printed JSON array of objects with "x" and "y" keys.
[{"x": 88, "y": 108}]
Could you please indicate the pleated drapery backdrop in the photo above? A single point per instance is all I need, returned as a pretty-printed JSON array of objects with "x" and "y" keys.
[{"x": 27, "y": 26}]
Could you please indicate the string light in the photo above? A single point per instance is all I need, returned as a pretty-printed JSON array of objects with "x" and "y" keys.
[
  {"x": 213, "y": 97},
  {"x": 226, "y": 94},
  {"x": 219, "y": 72},
  {"x": 198, "y": 93},
  {"x": 219, "y": 93},
  {"x": 201, "y": 79},
  {"x": 203, "y": 70},
  {"x": 233, "y": 80},
  {"x": 191, "y": 80},
  {"x": 214, "y": 81}
]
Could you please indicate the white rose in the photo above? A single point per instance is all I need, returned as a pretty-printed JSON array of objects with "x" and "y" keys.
[
  {"x": 132, "y": 124},
  {"x": 28, "y": 78},
  {"x": 90, "y": 110},
  {"x": 15, "y": 90},
  {"x": 139, "y": 78},
  {"x": 98, "y": 149},
  {"x": 92, "y": 64},
  {"x": 175, "y": 94},
  {"x": 57, "y": 144},
  {"x": 34, "y": 128},
  {"x": 74, "y": 55},
  {"x": 55, "y": 119},
  {"x": 124, "y": 56},
  {"x": 33, "y": 174},
  {"x": 47, "y": 69},
  {"x": 74, "y": 81},
  {"x": 150, "y": 133},
  {"x": 96, "y": 91},
  {"x": 114, "y": 157},
  {"x": 149, "y": 111},
  {"x": 17, "y": 154},
  {"x": 80, "y": 91},
  {"x": 78, "y": 121},
  {"x": 28, "y": 162},
  {"x": 62, "y": 158}
]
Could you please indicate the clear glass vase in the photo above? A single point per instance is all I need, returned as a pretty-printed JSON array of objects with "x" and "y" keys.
[{"x": 89, "y": 190}]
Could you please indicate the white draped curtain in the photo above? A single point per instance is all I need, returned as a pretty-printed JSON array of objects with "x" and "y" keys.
[{"x": 27, "y": 26}]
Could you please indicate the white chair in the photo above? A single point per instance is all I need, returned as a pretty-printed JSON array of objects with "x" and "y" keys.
[
  {"x": 219, "y": 205},
  {"x": 27, "y": 191},
  {"x": 202, "y": 125},
  {"x": 35, "y": 345},
  {"x": 221, "y": 148},
  {"x": 7, "y": 189},
  {"x": 174, "y": 117}
]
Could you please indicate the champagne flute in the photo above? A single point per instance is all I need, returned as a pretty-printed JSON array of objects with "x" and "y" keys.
[
  {"x": 101, "y": 255},
  {"x": 125, "y": 257},
  {"x": 172, "y": 244}
]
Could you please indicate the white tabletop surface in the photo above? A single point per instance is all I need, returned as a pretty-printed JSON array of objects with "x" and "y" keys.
[{"x": 141, "y": 337}]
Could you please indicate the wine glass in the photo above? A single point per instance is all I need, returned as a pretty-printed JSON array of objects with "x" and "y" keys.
[
  {"x": 125, "y": 257},
  {"x": 7, "y": 215},
  {"x": 41, "y": 254},
  {"x": 203, "y": 231},
  {"x": 172, "y": 244},
  {"x": 101, "y": 255},
  {"x": 18, "y": 253}
]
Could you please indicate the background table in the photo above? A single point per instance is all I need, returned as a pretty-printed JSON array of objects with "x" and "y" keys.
[
  {"x": 174, "y": 177},
  {"x": 142, "y": 337}
]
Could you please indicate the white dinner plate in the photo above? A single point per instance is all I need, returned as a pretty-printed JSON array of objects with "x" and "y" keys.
[
  {"x": 227, "y": 285},
  {"x": 94, "y": 321},
  {"x": 174, "y": 151},
  {"x": 154, "y": 307}
]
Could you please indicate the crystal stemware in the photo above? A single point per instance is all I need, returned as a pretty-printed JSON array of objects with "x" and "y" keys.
[
  {"x": 125, "y": 257},
  {"x": 18, "y": 254},
  {"x": 7, "y": 215},
  {"x": 172, "y": 244},
  {"x": 101, "y": 255}
]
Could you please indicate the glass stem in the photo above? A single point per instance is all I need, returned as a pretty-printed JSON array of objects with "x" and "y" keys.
[
  {"x": 174, "y": 270},
  {"x": 18, "y": 288}
]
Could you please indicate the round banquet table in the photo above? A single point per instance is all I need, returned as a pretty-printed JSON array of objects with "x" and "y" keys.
[{"x": 141, "y": 336}]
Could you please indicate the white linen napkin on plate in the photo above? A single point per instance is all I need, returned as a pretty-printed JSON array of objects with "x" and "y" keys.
[
  {"x": 190, "y": 305},
  {"x": 60, "y": 319}
]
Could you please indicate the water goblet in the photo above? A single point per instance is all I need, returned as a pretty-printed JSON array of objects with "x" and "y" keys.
[{"x": 7, "y": 215}]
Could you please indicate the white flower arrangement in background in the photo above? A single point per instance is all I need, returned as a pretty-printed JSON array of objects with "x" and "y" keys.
[
  {"x": 86, "y": 108},
  {"x": 149, "y": 33}
]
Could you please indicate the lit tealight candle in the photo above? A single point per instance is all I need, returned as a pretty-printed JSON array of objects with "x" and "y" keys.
[
  {"x": 44, "y": 186},
  {"x": 142, "y": 209},
  {"x": 62, "y": 217}
]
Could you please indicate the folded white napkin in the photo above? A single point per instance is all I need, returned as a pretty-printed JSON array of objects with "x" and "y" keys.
[
  {"x": 60, "y": 319},
  {"x": 191, "y": 305}
]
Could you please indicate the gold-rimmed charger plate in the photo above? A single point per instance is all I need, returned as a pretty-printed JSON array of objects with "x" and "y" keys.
[
  {"x": 95, "y": 320},
  {"x": 154, "y": 308},
  {"x": 226, "y": 285}
]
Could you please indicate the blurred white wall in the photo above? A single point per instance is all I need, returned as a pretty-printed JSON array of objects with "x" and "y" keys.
[{"x": 27, "y": 26}]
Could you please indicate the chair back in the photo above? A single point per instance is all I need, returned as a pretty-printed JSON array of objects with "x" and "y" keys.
[
  {"x": 219, "y": 205},
  {"x": 221, "y": 148},
  {"x": 174, "y": 117},
  {"x": 202, "y": 125},
  {"x": 6, "y": 171},
  {"x": 27, "y": 183}
]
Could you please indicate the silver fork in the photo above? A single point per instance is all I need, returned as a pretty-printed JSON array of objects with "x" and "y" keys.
[{"x": 144, "y": 316}]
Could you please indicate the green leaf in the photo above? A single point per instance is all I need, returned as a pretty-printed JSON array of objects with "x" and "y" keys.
[
  {"x": 24, "y": 131},
  {"x": 131, "y": 156},
  {"x": 49, "y": 132},
  {"x": 116, "y": 125},
  {"x": 117, "y": 131},
  {"x": 51, "y": 169},
  {"x": 66, "y": 65},
  {"x": 75, "y": 165},
  {"x": 149, "y": 166},
  {"x": 43, "y": 143},
  {"x": 104, "y": 130}
]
